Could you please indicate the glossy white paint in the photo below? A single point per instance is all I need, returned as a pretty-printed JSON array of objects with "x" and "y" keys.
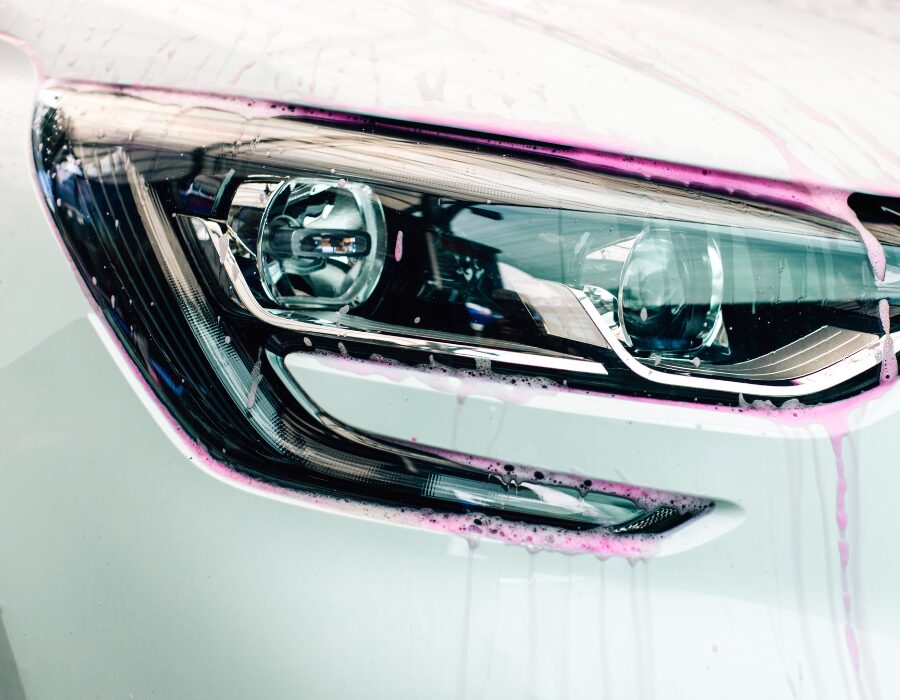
[
  {"x": 787, "y": 89},
  {"x": 126, "y": 569}
]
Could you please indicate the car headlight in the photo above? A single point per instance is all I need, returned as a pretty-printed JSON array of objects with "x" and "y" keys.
[{"x": 218, "y": 243}]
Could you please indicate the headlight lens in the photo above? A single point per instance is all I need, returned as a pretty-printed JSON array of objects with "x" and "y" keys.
[
  {"x": 670, "y": 292},
  {"x": 218, "y": 244},
  {"x": 320, "y": 244}
]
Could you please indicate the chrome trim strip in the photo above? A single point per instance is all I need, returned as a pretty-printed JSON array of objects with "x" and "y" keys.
[
  {"x": 777, "y": 365},
  {"x": 522, "y": 359}
]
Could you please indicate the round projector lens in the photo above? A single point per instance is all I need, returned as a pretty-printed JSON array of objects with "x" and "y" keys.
[
  {"x": 670, "y": 294},
  {"x": 321, "y": 244}
]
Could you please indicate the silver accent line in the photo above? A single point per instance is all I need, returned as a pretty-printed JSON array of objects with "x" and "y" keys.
[
  {"x": 521, "y": 359},
  {"x": 818, "y": 350}
]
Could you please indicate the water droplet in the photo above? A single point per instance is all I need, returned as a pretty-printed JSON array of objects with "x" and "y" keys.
[
  {"x": 643, "y": 314},
  {"x": 307, "y": 342}
]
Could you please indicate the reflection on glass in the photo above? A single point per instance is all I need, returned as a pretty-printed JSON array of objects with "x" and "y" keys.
[
  {"x": 671, "y": 290},
  {"x": 320, "y": 243}
]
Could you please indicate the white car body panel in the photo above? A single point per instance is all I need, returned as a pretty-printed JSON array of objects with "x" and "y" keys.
[
  {"x": 128, "y": 568},
  {"x": 776, "y": 89}
]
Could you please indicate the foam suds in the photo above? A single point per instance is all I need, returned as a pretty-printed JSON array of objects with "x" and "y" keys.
[
  {"x": 842, "y": 520},
  {"x": 888, "y": 355}
]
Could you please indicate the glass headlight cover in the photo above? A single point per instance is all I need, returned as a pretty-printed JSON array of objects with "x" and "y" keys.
[
  {"x": 727, "y": 298},
  {"x": 217, "y": 243},
  {"x": 462, "y": 251}
]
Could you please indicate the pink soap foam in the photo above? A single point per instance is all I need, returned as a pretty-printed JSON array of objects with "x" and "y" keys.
[
  {"x": 888, "y": 356},
  {"x": 398, "y": 246}
]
